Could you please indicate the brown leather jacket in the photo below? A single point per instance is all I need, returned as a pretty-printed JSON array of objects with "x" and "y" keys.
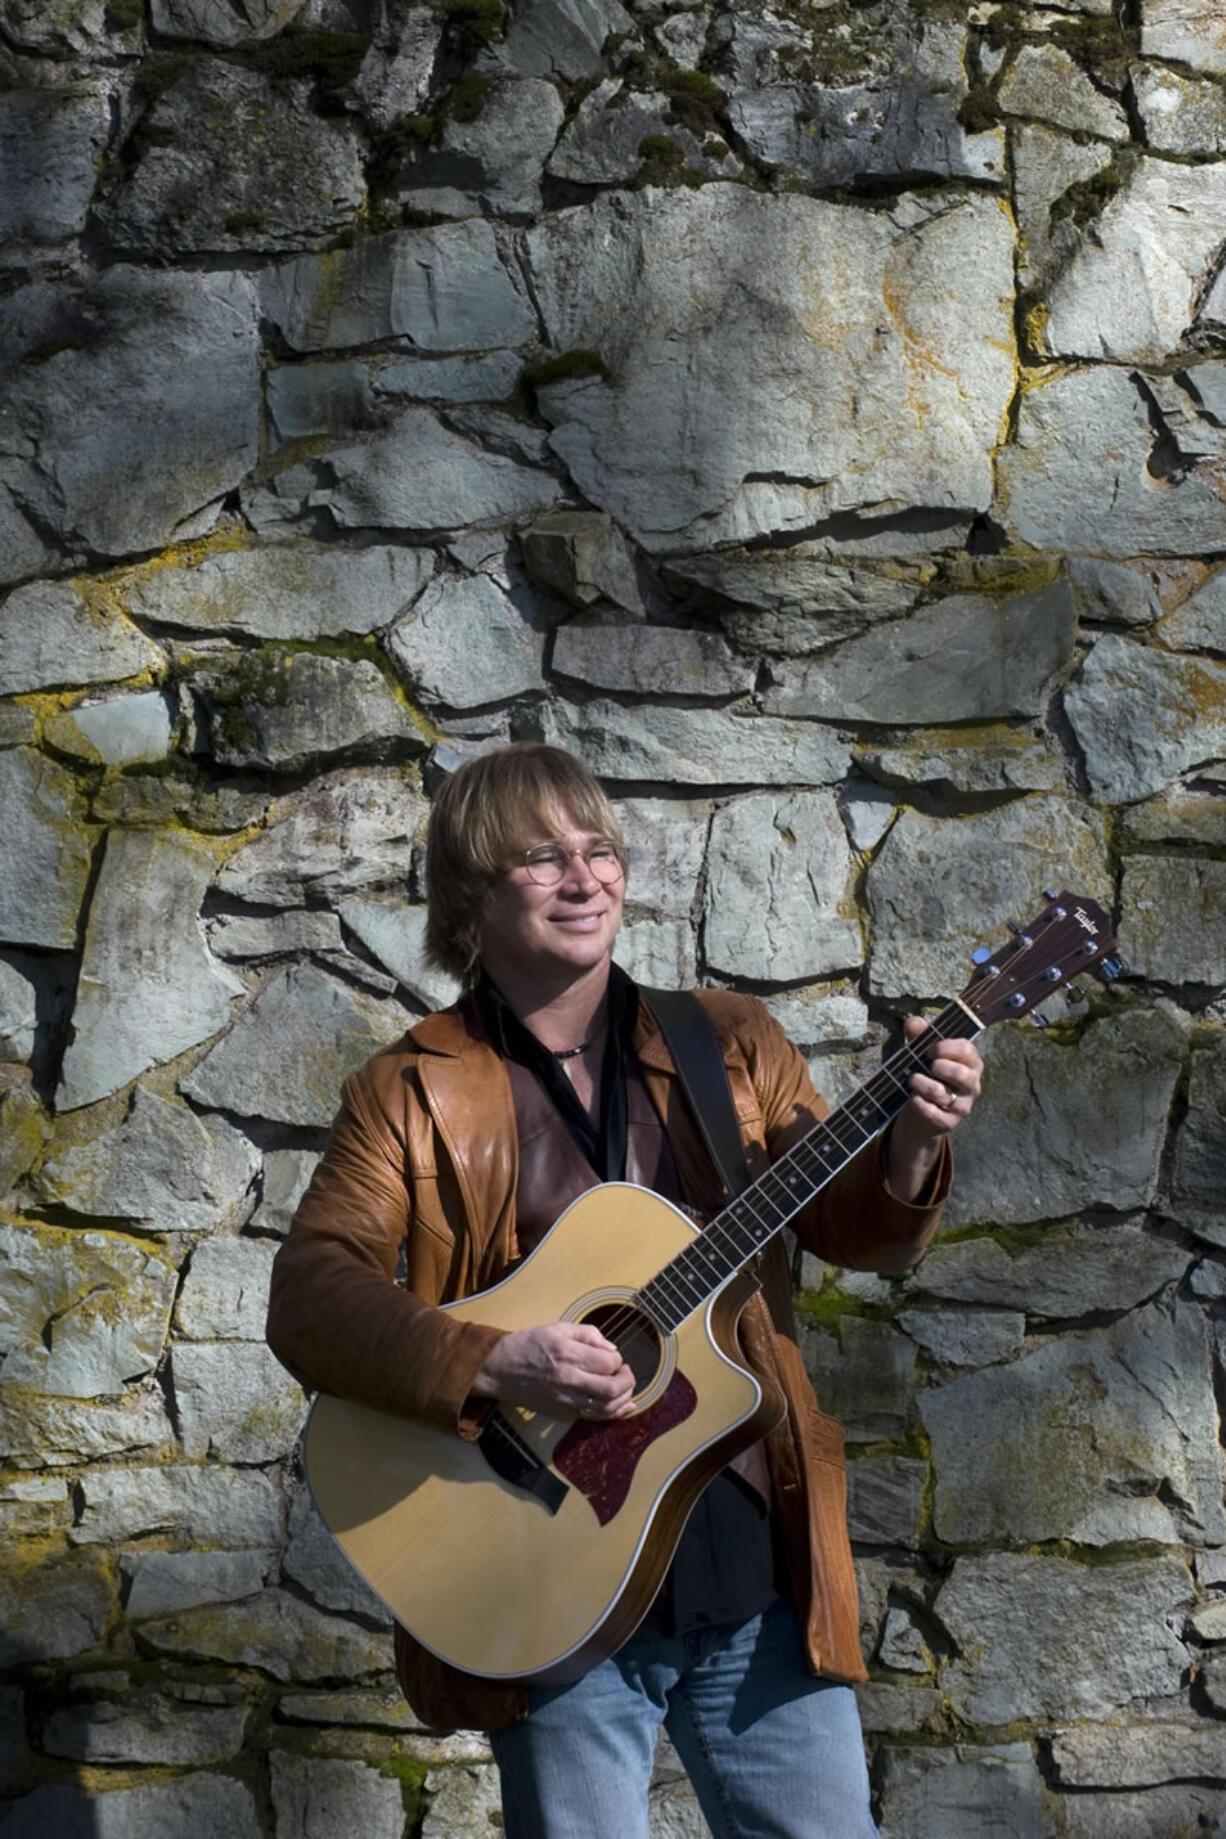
[{"x": 422, "y": 1161}]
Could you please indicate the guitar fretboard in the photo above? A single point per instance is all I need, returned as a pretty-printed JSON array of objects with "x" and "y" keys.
[{"x": 741, "y": 1230}]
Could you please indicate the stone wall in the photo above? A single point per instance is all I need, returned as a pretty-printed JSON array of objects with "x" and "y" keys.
[{"x": 811, "y": 414}]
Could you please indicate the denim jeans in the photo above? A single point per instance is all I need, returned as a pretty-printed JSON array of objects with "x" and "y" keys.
[{"x": 773, "y": 1753}]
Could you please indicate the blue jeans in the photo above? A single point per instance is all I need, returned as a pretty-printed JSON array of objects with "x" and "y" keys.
[{"x": 773, "y": 1753}]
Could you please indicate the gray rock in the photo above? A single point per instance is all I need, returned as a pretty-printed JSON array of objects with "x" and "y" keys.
[
  {"x": 52, "y": 636},
  {"x": 1123, "y": 592},
  {"x": 491, "y": 164},
  {"x": 771, "y": 862},
  {"x": 835, "y": 137},
  {"x": 1061, "y": 1127},
  {"x": 893, "y": 1709},
  {"x": 966, "y": 1337},
  {"x": 53, "y": 1611},
  {"x": 903, "y": 1648},
  {"x": 380, "y": 1710},
  {"x": 583, "y": 557},
  {"x": 1044, "y": 84},
  {"x": 651, "y": 660},
  {"x": 822, "y": 1017},
  {"x": 18, "y": 725},
  {"x": 319, "y": 399},
  {"x": 163, "y": 1166},
  {"x": 667, "y": 841},
  {"x": 1212, "y": 316},
  {"x": 224, "y": 1295},
  {"x": 1143, "y": 1813},
  {"x": 283, "y": 710},
  {"x": 46, "y": 862},
  {"x": 313, "y": 1559},
  {"x": 466, "y": 643},
  {"x": 1174, "y": 815},
  {"x": 867, "y": 813},
  {"x": 1045, "y": 1638},
  {"x": 1170, "y": 908},
  {"x": 443, "y": 289},
  {"x": 18, "y": 1010},
  {"x": 158, "y": 800},
  {"x": 631, "y": 277},
  {"x": 484, "y": 377},
  {"x": 225, "y": 1508},
  {"x": 149, "y": 988},
  {"x": 1123, "y": 1417},
  {"x": 604, "y": 142},
  {"x": 285, "y": 1057},
  {"x": 136, "y": 730},
  {"x": 234, "y": 1401},
  {"x": 1162, "y": 231},
  {"x": 397, "y": 71},
  {"x": 1180, "y": 114},
  {"x": 148, "y": 1729},
  {"x": 968, "y": 1792},
  {"x": 23, "y": 1127},
  {"x": 34, "y": 1507},
  {"x": 293, "y": 930},
  {"x": 884, "y": 1500},
  {"x": 396, "y": 935},
  {"x": 466, "y": 1802},
  {"x": 346, "y": 832},
  {"x": 325, "y": 1798},
  {"x": 84, "y": 29},
  {"x": 233, "y": 160},
  {"x": 85, "y": 1311},
  {"x": 865, "y": 1378},
  {"x": 182, "y": 1808},
  {"x": 1200, "y": 622},
  {"x": 683, "y": 37},
  {"x": 291, "y": 591},
  {"x": 39, "y": 1432},
  {"x": 1077, "y": 475},
  {"x": 223, "y": 22},
  {"x": 1071, "y": 1271},
  {"x": 989, "y": 867},
  {"x": 175, "y": 416},
  {"x": 161, "y": 1582},
  {"x": 1200, "y": 1149},
  {"x": 971, "y": 657},
  {"x": 275, "y": 1632},
  {"x": 419, "y": 476},
  {"x": 659, "y": 953},
  {"x": 50, "y": 145},
  {"x": 563, "y": 38},
  {"x": 287, "y": 1174},
  {"x": 695, "y": 746},
  {"x": 1138, "y": 1755},
  {"x": 961, "y": 760},
  {"x": 1185, "y": 31},
  {"x": 793, "y": 600},
  {"x": 1128, "y": 709}
]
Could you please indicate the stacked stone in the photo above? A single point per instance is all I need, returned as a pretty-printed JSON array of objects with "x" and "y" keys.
[{"x": 812, "y": 415}]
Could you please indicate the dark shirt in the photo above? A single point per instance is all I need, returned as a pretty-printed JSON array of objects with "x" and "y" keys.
[{"x": 724, "y": 1568}]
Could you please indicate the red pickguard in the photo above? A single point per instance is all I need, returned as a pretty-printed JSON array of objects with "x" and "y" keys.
[{"x": 600, "y": 1459}]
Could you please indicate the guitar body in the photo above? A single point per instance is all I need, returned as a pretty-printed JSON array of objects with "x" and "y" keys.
[{"x": 508, "y": 1583}]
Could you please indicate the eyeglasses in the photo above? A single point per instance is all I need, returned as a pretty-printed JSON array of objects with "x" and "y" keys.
[{"x": 547, "y": 864}]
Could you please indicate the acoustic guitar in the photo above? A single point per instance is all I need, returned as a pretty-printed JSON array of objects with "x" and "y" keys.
[{"x": 535, "y": 1551}]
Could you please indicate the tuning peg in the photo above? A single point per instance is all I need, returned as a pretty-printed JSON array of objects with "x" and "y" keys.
[
  {"x": 1023, "y": 938},
  {"x": 981, "y": 954},
  {"x": 1038, "y": 1018},
  {"x": 1111, "y": 968},
  {"x": 1074, "y": 992},
  {"x": 1050, "y": 894}
]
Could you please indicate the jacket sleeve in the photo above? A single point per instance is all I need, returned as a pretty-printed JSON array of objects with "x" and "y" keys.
[
  {"x": 855, "y": 1220},
  {"x": 337, "y": 1318}
]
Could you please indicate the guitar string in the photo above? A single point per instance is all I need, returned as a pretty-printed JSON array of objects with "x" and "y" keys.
[{"x": 718, "y": 1240}]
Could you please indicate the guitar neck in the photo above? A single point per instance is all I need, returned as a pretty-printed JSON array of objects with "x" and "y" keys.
[{"x": 728, "y": 1242}]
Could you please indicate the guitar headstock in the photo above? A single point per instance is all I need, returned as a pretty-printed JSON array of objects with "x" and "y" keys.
[{"x": 1070, "y": 935}]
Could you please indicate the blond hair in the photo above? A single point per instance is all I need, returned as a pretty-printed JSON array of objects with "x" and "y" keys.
[{"x": 492, "y": 806}]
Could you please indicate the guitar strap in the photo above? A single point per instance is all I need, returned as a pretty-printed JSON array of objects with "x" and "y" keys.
[{"x": 692, "y": 1041}]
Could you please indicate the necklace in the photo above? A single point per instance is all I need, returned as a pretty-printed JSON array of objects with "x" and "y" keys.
[{"x": 572, "y": 1053}]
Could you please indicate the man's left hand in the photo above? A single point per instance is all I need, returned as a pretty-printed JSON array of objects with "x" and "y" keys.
[{"x": 940, "y": 1098}]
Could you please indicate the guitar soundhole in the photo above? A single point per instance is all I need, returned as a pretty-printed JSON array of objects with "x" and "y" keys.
[{"x": 635, "y": 1337}]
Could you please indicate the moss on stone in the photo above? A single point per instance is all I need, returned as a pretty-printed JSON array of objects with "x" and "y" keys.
[
  {"x": 466, "y": 97},
  {"x": 124, "y": 15},
  {"x": 331, "y": 58},
  {"x": 1086, "y": 200},
  {"x": 474, "y": 22}
]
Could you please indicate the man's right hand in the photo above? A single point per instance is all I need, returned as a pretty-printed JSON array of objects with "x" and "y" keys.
[{"x": 565, "y": 1369}]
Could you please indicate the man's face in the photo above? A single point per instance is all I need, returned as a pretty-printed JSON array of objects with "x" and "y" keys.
[{"x": 539, "y": 933}]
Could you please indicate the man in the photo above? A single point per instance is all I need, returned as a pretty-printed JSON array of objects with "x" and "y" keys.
[{"x": 455, "y": 1149}]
